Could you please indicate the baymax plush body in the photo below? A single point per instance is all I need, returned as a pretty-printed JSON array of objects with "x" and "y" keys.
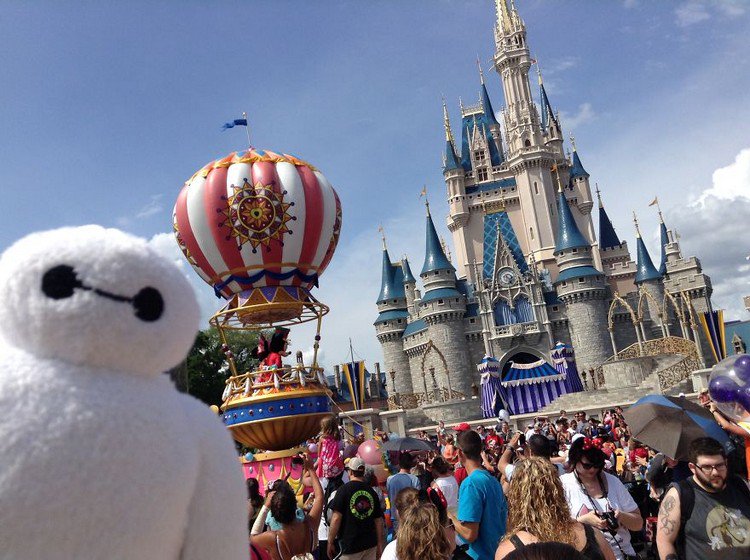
[{"x": 100, "y": 457}]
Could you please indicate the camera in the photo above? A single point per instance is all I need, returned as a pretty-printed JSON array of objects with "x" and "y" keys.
[{"x": 609, "y": 517}]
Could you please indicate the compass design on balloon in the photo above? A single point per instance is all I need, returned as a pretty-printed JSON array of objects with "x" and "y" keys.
[{"x": 257, "y": 214}]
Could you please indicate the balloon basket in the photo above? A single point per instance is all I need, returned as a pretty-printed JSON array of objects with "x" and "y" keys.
[
  {"x": 277, "y": 465},
  {"x": 277, "y": 413},
  {"x": 269, "y": 307}
]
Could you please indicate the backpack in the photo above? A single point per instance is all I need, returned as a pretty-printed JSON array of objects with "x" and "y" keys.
[{"x": 686, "y": 493}]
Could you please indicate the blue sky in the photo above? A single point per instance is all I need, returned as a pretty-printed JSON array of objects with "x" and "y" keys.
[{"x": 107, "y": 107}]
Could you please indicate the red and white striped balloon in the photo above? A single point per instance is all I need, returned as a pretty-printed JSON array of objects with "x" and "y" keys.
[{"x": 255, "y": 219}]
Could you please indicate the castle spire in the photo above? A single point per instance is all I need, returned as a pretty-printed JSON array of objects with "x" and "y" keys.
[
  {"x": 548, "y": 116},
  {"x": 663, "y": 238},
  {"x": 576, "y": 169},
  {"x": 484, "y": 98},
  {"x": 568, "y": 234},
  {"x": 503, "y": 16},
  {"x": 408, "y": 276},
  {"x": 451, "y": 161},
  {"x": 434, "y": 256},
  {"x": 607, "y": 235},
  {"x": 386, "y": 281},
  {"x": 645, "y": 269}
]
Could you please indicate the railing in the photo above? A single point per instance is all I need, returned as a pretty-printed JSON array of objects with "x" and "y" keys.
[
  {"x": 674, "y": 374},
  {"x": 273, "y": 380},
  {"x": 408, "y": 401},
  {"x": 667, "y": 345},
  {"x": 517, "y": 329}
]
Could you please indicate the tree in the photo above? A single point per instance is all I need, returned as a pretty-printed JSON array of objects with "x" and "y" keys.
[{"x": 207, "y": 366}]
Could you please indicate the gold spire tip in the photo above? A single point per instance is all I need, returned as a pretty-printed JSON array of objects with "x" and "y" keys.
[
  {"x": 481, "y": 74},
  {"x": 573, "y": 142},
  {"x": 635, "y": 221},
  {"x": 598, "y": 195}
]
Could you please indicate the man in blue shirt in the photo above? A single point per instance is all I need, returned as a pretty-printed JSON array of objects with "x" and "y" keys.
[
  {"x": 482, "y": 509},
  {"x": 399, "y": 481}
]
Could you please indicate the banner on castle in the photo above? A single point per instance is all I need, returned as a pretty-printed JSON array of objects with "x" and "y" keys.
[
  {"x": 354, "y": 375},
  {"x": 713, "y": 326}
]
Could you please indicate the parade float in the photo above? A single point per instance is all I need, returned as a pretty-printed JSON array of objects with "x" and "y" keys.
[{"x": 260, "y": 228}]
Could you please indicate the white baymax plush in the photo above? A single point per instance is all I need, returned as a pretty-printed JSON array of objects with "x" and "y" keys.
[{"x": 100, "y": 457}]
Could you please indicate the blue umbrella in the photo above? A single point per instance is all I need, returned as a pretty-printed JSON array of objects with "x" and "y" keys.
[{"x": 669, "y": 424}]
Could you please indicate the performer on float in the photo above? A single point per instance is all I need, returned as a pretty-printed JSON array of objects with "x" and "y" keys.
[{"x": 270, "y": 354}]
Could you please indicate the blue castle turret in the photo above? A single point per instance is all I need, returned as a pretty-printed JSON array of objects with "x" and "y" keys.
[
  {"x": 650, "y": 286},
  {"x": 582, "y": 288},
  {"x": 393, "y": 317}
]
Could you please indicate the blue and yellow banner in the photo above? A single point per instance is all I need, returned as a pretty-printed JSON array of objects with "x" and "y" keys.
[
  {"x": 354, "y": 375},
  {"x": 713, "y": 327}
]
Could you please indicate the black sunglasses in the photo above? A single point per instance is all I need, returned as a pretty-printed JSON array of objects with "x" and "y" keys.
[{"x": 589, "y": 466}]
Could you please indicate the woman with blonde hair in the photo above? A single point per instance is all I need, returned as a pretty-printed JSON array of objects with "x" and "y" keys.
[
  {"x": 538, "y": 512},
  {"x": 421, "y": 536},
  {"x": 422, "y": 528}
]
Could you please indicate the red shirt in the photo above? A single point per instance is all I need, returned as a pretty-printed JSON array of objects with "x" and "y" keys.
[{"x": 460, "y": 474}]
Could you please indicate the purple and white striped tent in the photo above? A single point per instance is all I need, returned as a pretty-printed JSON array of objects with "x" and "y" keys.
[{"x": 528, "y": 387}]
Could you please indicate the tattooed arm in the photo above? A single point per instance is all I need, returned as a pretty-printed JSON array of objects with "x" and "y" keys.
[{"x": 668, "y": 526}]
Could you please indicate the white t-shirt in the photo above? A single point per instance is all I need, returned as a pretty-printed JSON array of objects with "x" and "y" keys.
[
  {"x": 618, "y": 497},
  {"x": 389, "y": 552},
  {"x": 449, "y": 487}
]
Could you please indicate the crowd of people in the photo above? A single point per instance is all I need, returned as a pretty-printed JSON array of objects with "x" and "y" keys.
[{"x": 566, "y": 487}]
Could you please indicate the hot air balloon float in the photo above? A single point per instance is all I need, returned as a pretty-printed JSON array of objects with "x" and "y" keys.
[{"x": 261, "y": 227}]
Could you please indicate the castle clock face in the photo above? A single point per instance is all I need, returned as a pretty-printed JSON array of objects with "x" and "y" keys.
[{"x": 506, "y": 277}]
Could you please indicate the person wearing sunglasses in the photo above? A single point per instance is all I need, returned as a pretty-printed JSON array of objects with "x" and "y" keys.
[{"x": 599, "y": 499}]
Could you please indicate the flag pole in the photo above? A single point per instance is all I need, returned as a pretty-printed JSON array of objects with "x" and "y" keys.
[{"x": 247, "y": 130}]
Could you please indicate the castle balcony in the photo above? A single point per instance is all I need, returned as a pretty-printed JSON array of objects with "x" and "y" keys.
[{"x": 517, "y": 329}]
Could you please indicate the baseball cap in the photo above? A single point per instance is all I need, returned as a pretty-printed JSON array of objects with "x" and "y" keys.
[
  {"x": 462, "y": 427},
  {"x": 356, "y": 464}
]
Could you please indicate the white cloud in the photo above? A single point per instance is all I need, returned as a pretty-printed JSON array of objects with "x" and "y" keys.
[
  {"x": 730, "y": 182},
  {"x": 696, "y": 11},
  {"x": 154, "y": 206},
  {"x": 584, "y": 115},
  {"x": 690, "y": 13},
  {"x": 151, "y": 208},
  {"x": 714, "y": 228}
]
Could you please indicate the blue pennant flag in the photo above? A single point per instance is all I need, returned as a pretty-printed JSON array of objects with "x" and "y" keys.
[{"x": 235, "y": 122}]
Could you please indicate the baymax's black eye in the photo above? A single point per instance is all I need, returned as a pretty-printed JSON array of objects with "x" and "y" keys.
[
  {"x": 60, "y": 282},
  {"x": 148, "y": 304}
]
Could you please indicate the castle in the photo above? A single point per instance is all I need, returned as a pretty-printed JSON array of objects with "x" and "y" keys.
[{"x": 530, "y": 270}]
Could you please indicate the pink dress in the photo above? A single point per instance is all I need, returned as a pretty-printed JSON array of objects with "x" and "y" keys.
[{"x": 330, "y": 463}]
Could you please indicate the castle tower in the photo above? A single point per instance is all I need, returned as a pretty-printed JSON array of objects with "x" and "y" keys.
[
  {"x": 579, "y": 183},
  {"x": 648, "y": 279},
  {"x": 616, "y": 262},
  {"x": 443, "y": 309},
  {"x": 530, "y": 158},
  {"x": 583, "y": 290},
  {"x": 391, "y": 322}
]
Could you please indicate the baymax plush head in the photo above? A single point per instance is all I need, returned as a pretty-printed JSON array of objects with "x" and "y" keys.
[
  {"x": 84, "y": 295},
  {"x": 100, "y": 457}
]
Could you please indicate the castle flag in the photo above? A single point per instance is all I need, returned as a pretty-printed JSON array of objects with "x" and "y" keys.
[{"x": 655, "y": 201}]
